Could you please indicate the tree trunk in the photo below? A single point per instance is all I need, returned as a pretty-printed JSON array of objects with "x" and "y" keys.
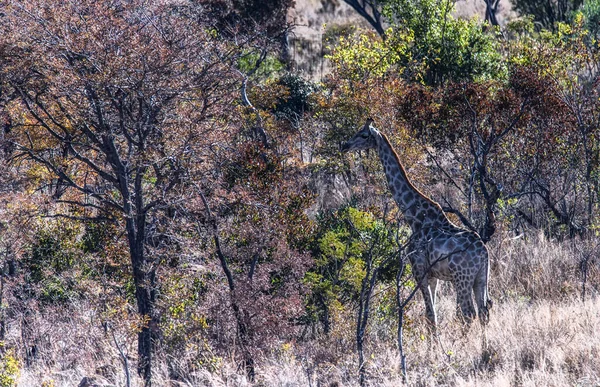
[
  {"x": 491, "y": 9},
  {"x": 145, "y": 294},
  {"x": 284, "y": 54},
  {"x": 374, "y": 17},
  {"x": 244, "y": 340},
  {"x": 244, "y": 333},
  {"x": 368, "y": 284},
  {"x": 401, "y": 305}
]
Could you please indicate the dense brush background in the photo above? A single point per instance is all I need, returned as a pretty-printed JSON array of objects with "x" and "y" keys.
[{"x": 257, "y": 236}]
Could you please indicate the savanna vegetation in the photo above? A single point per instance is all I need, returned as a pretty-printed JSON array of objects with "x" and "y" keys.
[{"x": 175, "y": 210}]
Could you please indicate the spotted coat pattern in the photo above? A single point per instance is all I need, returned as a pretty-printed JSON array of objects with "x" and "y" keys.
[{"x": 439, "y": 249}]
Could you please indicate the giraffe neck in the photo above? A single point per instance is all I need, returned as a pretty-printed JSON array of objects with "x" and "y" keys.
[{"x": 418, "y": 209}]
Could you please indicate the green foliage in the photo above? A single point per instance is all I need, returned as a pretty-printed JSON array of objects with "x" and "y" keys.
[
  {"x": 334, "y": 32},
  {"x": 444, "y": 48},
  {"x": 53, "y": 250},
  {"x": 547, "y": 14},
  {"x": 346, "y": 239},
  {"x": 9, "y": 368},
  {"x": 296, "y": 100},
  {"x": 560, "y": 55},
  {"x": 182, "y": 295},
  {"x": 61, "y": 258},
  {"x": 265, "y": 67},
  {"x": 95, "y": 237},
  {"x": 51, "y": 260},
  {"x": 591, "y": 12},
  {"x": 359, "y": 57},
  {"x": 521, "y": 26},
  {"x": 425, "y": 44}
]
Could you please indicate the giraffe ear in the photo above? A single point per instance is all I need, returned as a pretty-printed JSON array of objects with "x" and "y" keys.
[{"x": 369, "y": 125}]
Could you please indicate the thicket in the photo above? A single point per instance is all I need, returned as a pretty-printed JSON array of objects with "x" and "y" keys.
[{"x": 171, "y": 188}]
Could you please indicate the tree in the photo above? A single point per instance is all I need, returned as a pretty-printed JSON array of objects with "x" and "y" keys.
[
  {"x": 491, "y": 9},
  {"x": 473, "y": 127},
  {"x": 591, "y": 12},
  {"x": 442, "y": 47},
  {"x": 569, "y": 186},
  {"x": 425, "y": 43},
  {"x": 239, "y": 18},
  {"x": 113, "y": 101},
  {"x": 369, "y": 10},
  {"x": 547, "y": 13},
  {"x": 258, "y": 227}
]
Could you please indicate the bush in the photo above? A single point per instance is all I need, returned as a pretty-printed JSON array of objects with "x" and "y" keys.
[
  {"x": 9, "y": 368},
  {"x": 444, "y": 48},
  {"x": 591, "y": 13},
  {"x": 347, "y": 238}
]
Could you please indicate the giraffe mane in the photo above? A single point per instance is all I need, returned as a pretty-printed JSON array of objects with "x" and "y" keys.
[{"x": 405, "y": 175}]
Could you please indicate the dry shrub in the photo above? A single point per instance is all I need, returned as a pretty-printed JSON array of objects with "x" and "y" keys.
[
  {"x": 59, "y": 346},
  {"x": 534, "y": 267},
  {"x": 528, "y": 343},
  {"x": 540, "y": 333}
]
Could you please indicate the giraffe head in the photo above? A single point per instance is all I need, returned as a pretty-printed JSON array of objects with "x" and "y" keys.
[{"x": 364, "y": 139}]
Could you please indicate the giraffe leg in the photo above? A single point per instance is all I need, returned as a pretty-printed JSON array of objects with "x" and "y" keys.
[
  {"x": 432, "y": 287},
  {"x": 421, "y": 276},
  {"x": 433, "y": 283},
  {"x": 484, "y": 304},
  {"x": 429, "y": 301},
  {"x": 464, "y": 299}
]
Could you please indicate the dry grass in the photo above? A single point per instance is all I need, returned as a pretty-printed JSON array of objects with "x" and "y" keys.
[
  {"x": 528, "y": 344},
  {"x": 540, "y": 333},
  {"x": 539, "y": 343}
]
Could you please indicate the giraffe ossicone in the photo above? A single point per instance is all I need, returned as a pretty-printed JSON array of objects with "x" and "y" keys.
[{"x": 439, "y": 249}]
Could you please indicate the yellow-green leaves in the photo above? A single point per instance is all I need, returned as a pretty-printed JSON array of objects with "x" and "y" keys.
[
  {"x": 426, "y": 44},
  {"x": 561, "y": 54},
  {"x": 350, "y": 238},
  {"x": 9, "y": 367},
  {"x": 359, "y": 57}
]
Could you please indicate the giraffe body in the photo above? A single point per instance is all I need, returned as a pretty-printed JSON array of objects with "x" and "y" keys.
[{"x": 439, "y": 249}]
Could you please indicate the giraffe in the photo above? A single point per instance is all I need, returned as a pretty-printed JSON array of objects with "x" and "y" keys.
[{"x": 440, "y": 249}]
